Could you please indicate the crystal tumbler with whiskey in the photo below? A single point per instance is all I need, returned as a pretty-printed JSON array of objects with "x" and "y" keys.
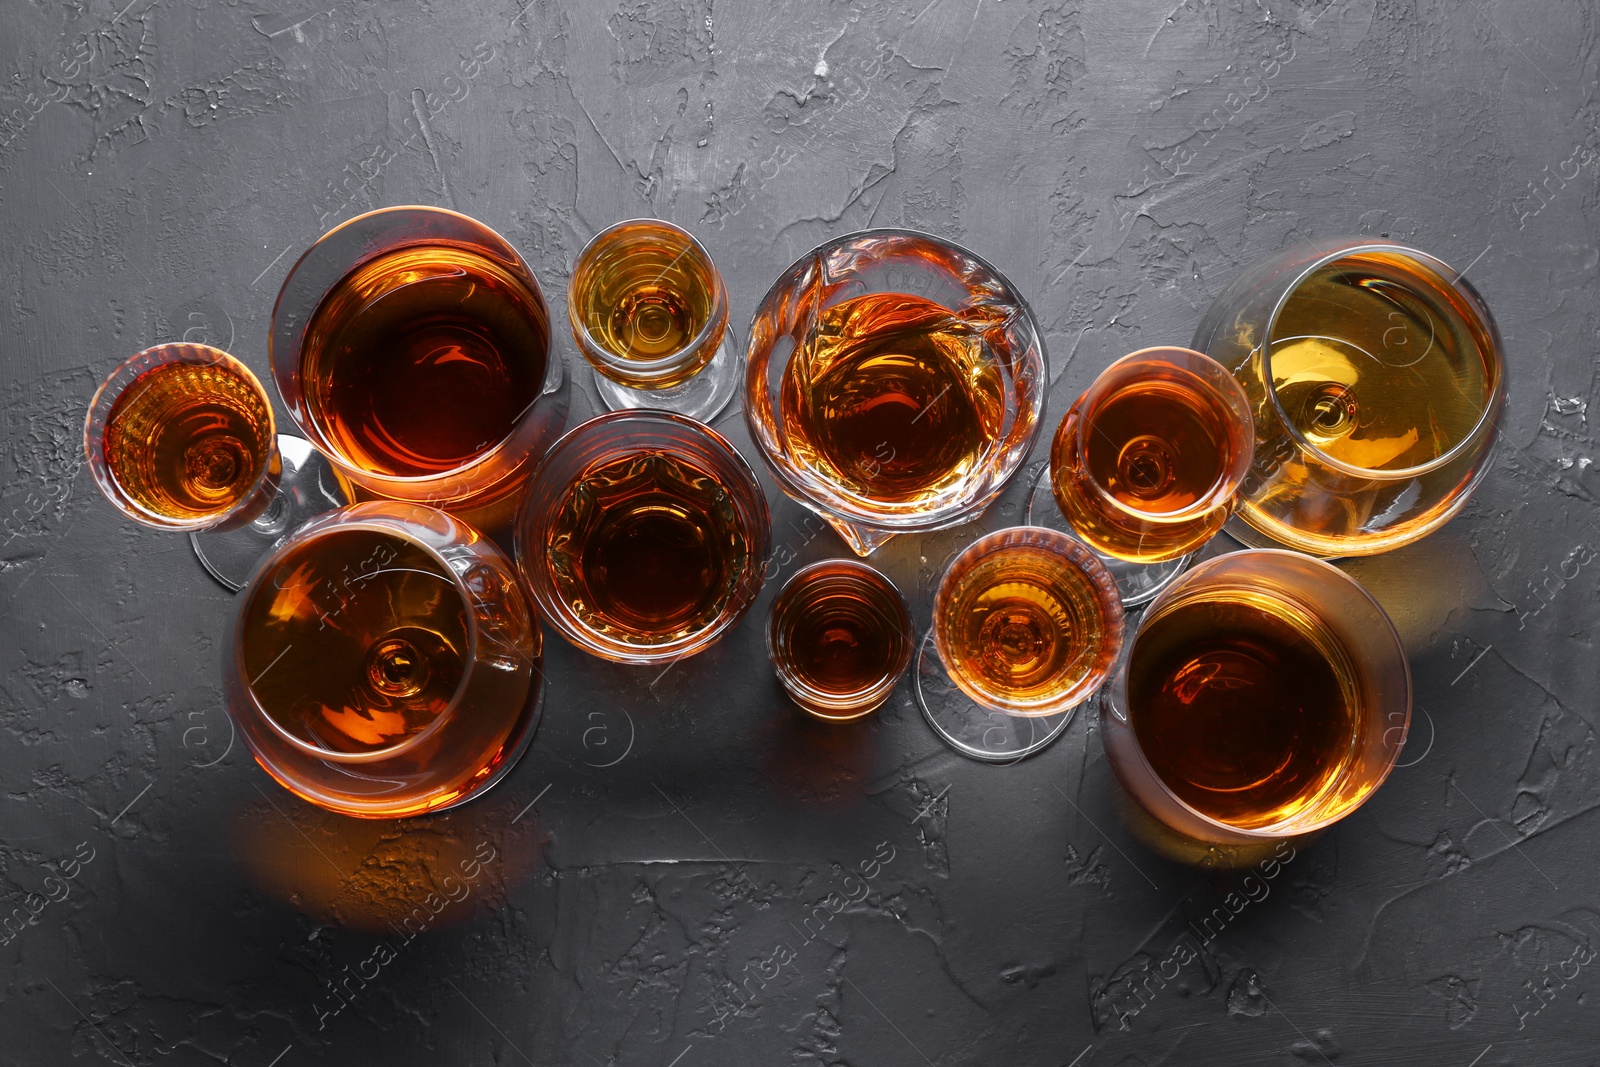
[{"x": 894, "y": 383}]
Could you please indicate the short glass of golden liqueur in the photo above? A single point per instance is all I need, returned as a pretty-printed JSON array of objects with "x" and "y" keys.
[
  {"x": 643, "y": 536},
  {"x": 412, "y": 346},
  {"x": 894, "y": 384},
  {"x": 181, "y": 437},
  {"x": 1376, "y": 380},
  {"x": 649, "y": 311},
  {"x": 384, "y": 662},
  {"x": 1145, "y": 466},
  {"x": 839, "y": 636},
  {"x": 1265, "y": 694},
  {"x": 1027, "y": 625}
]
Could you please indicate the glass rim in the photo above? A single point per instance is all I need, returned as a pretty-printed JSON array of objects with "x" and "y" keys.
[
  {"x": 310, "y": 427},
  {"x": 1226, "y": 486},
  {"x": 1450, "y": 280},
  {"x": 844, "y": 506},
  {"x": 716, "y": 322},
  {"x": 1077, "y": 555},
  {"x": 857, "y": 702},
  {"x": 1274, "y": 832},
  {"x": 532, "y": 562},
  {"x": 385, "y": 525},
  {"x": 105, "y": 398}
]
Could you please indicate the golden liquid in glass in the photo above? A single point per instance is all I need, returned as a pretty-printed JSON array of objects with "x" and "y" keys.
[
  {"x": 893, "y": 399},
  {"x": 1245, "y": 706},
  {"x": 647, "y": 548},
  {"x": 187, "y": 442},
  {"x": 423, "y": 359},
  {"x": 1021, "y": 626}
]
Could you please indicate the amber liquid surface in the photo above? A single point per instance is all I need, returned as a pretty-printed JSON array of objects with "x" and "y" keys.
[
  {"x": 1378, "y": 368},
  {"x": 646, "y": 295},
  {"x": 647, "y": 548},
  {"x": 841, "y": 635},
  {"x": 356, "y": 642},
  {"x": 423, "y": 359},
  {"x": 1244, "y": 707},
  {"x": 187, "y": 441},
  {"x": 1023, "y": 626},
  {"x": 1156, "y": 446},
  {"x": 1381, "y": 365},
  {"x": 893, "y": 399}
]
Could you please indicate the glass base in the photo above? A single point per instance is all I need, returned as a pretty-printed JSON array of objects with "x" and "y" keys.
[
  {"x": 701, "y": 397},
  {"x": 975, "y": 731},
  {"x": 1138, "y": 583},
  {"x": 307, "y": 487}
]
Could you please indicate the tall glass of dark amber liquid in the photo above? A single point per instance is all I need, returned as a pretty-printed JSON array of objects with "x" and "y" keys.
[
  {"x": 384, "y": 662},
  {"x": 412, "y": 346},
  {"x": 1146, "y": 464},
  {"x": 1265, "y": 694},
  {"x": 894, "y": 384},
  {"x": 649, "y": 311},
  {"x": 643, "y": 536}
]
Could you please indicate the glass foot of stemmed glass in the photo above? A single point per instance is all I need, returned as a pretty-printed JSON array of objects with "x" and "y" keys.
[
  {"x": 307, "y": 487},
  {"x": 975, "y": 731},
  {"x": 1138, "y": 583},
  {"x": 701, "y": 397}
]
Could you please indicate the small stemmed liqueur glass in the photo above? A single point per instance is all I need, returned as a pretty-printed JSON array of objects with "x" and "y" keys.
[
  {"x": 412, "y": 347},
  {"x": 1027, "y": 625},
  {"x": 1376, "y": 378},
  {"x": 649, "y": 311},
  {"x": 1146, "y": 465},
  {"x": 839, "y": 637},
  {"x": 384, "y": 662},
  {"x": 894, "y": 384},
  {"x": 643, "y": 536},
  {"x": 181, "y": 437},
  {"x": 1264, "y": 695}
]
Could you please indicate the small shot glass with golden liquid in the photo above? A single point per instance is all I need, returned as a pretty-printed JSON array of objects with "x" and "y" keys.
[
  {"x": 1265, "y": 694},
  {"x": 649, "y": 311},
  {"x": 384, "y": 662},
  {"x": 643, "y": 536},
  {"x": 1146, "y": 464},
  {"x": 1027, "y": 621},
  {"x": 839, "y": 636}
]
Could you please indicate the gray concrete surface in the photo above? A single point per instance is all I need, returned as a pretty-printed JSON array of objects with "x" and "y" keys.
[{"x": 658, "y": 869}]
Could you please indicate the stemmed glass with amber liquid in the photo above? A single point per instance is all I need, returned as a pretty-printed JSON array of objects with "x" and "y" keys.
[
  {"x": 1027, "y": 625},
  {"x": 1264, "y": 695},
  {"x": 643, "y": 536},
  {"x": 894, "y": 384},
  {"x": 1146, "y": 465},
  {"x": 412, "y": 346},
  {"x": 1375, "y": 375},
  {"x": 181, "y": 437},
  {"x": 384, "y": 662},
  {"x": 649, "y": 311}
]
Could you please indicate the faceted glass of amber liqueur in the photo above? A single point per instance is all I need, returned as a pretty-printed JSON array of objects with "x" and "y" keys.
[{"x": 894, "y": 383}]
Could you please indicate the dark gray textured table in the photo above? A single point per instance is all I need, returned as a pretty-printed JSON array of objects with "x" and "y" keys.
[{"x": 656, "y": 875}]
